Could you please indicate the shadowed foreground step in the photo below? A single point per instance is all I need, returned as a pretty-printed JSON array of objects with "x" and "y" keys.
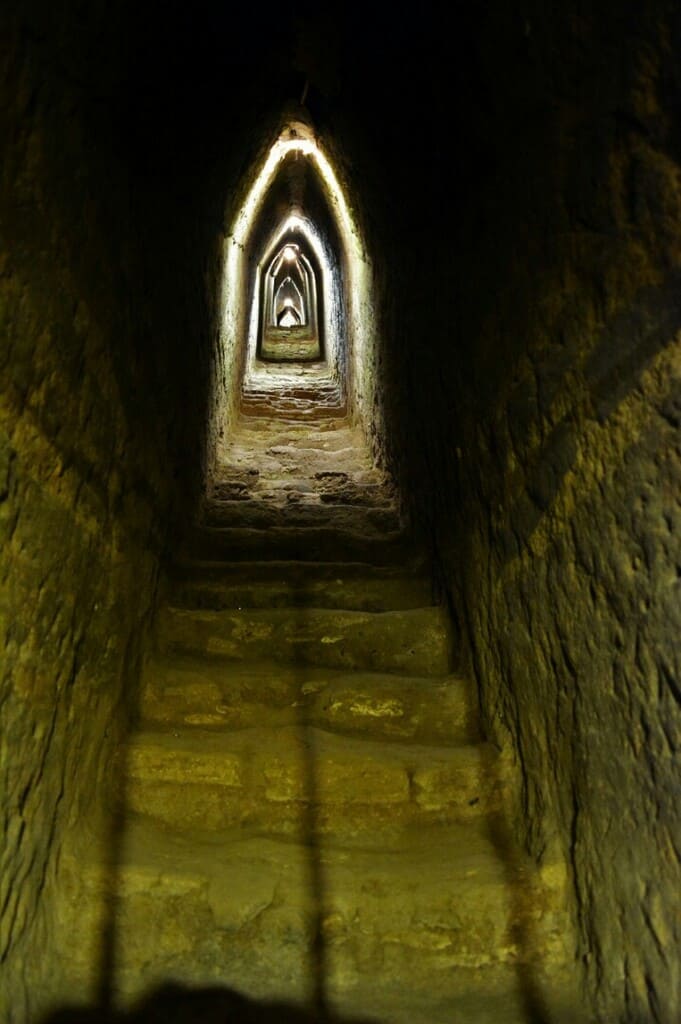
[{"x": 239, "y": 908}]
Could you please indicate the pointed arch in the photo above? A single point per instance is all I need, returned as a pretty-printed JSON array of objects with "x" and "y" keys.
[{"x": 339, "y": 271}]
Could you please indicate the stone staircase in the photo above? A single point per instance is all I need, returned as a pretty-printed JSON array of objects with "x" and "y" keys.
[{"x": 311, "y": 814}]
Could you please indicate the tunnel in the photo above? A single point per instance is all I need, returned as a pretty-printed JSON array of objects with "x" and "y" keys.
[{"x": 340, "y": 513}]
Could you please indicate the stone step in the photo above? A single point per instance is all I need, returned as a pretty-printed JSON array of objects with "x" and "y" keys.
[
  {"x": 328, "y": 471},
  {"x": 302, "y": 392},
  {"x": 292, "y": 509},
  {"x": 358, "y": 587},
  {"x": 309, "y": 382},
  {"x": 291, "y": 779},
  {"x": 313, "y": 452},
  {"x": 320, "y": 489},
  {"x": 336, "y": 428},
  {"x": 319, "y": 447},
  {"x": 212, "y": 693},
  {"x": 300, "y": 409},
  {"x": 323, "y": 544},
  {"x": 411, "y": 932},
  {"x": 412, "y": 641}
]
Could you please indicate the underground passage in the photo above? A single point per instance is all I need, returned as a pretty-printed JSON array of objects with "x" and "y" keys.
[{"x": 340, "y": 514}]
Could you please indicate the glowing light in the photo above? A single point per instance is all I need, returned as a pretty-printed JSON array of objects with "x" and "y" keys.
[
  {"x": 296, "y": 140},
  {"x": 290, "y": 254}
]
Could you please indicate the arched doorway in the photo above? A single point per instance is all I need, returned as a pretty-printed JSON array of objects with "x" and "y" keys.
[
  {"x": 289, "y": 298},
  {"x": 311, "y": 323}
]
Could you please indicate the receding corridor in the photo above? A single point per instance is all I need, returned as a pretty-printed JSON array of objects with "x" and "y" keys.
[{"x": 340, "y": 514}]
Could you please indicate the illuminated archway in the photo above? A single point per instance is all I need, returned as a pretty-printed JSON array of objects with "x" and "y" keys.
[
  {"x": 335, "y": 269},
  {"x": 289, "y": 322}
]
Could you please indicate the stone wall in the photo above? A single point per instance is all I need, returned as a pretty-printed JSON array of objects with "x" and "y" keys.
[
  {"x": 544, "y": 451},
  {"x": 99, "y": 334}
]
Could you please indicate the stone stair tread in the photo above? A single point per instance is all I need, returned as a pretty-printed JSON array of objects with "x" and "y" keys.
[
  {"x": 453, "y": 853},
  {"x": 322, "y": 435},
  {"x": 413, "y": 641},
  {"x": 296, "y": 510},
  {"x": 434, "y": 870},
  {"x": 206, "y": 743},
  {"x": 302, "y": 544},
  {"x": 353, "y": 595},
  {"x": 211, "y": 693},
  {"x": 290, "y": 409},
  {"x": 432, "y": 913},
  {"x": 276, "y": 495},
  {"x": 216, "y": 570},
  {"x": 319, "y": 453},
  {"x": 354, "y": 585},
  {"x": 276, "y": 778},
  {"x": 306, "y": 536}
]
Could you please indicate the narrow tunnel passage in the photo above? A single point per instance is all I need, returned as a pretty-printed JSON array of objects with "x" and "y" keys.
[{"x": 339, "y": 607}]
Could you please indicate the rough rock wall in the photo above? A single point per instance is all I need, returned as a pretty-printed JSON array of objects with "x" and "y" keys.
[
  {"x": 548, "y": 430},
  {"x": 89, "y": 442}
]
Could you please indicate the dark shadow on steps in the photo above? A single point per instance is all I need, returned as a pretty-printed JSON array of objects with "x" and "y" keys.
[
  {"x": 310, "y": 823},
  {"x": 177, "y": 1004},
  {"x": 522, "y": 930}
]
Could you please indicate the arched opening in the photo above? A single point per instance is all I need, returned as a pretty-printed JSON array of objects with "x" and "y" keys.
[
  {"x": 288, "y": 300},
  {"x": 297, "y": 309},
  {"x": 288, "y": 289}
]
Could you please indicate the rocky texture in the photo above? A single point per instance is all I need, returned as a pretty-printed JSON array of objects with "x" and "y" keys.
[
  {"x": 69, "y": 546},
  {"x": 312, "y": 472},
  {"x": 83, "y": 491},
  {"x": 553, "y": 435}
]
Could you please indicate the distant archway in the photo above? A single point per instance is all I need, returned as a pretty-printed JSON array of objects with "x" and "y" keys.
[
  {"x": 293, "y": 197},
  {"x": 289, "y": 322}
]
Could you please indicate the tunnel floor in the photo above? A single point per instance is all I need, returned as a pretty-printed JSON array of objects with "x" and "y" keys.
[
  {"x": 307, "y": 468},
  {"x": 310, "y": 814}
]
